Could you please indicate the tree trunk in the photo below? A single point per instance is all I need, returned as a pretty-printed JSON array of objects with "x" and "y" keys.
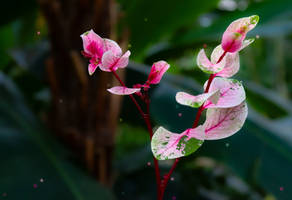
[{"x": 83, "y": 113}]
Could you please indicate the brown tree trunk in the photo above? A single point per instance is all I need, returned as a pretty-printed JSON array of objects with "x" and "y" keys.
[{"x": 83, "y": 113}]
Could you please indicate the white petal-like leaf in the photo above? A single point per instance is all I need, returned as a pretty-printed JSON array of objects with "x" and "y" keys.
[
  {"x": 232, "y": 64},
  {"x": 246, "y": 42},
  {"x": 224, "y": 122},
  {"x": 112, "y": 46},
  {"x": 206, "y": 65},
  {"x": 110, "y": 61},
  {"x": 231, "y": 93},
  {"x": 196, "y": 101},
  {"x": 167, "y": 145},
  {"x": 120, "y": 90}
]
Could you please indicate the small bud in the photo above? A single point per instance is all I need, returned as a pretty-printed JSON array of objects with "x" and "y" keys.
[
  {"x": 157, "y": 71},
  {"x": 235, "y": 33}
]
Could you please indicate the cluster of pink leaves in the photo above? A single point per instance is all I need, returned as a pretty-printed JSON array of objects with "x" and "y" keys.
[
  {"x": 107, "y": 55},
  {"x": 224, "y": 101}
]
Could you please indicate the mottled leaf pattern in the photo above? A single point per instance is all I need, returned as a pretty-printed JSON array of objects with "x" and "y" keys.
[
  {"x": 206, "y": 65},
  {"x": 167, "y": 145},
  {"x": 110, "y": 61},
  {"x": 120, "y": 90},
  {"x": 235, "y": 33},
  {"x": 231, "y": 93},
  {"x": 232, "y": 64},
  {"x": 157, "y": 71},
  {"x": 196, "y": 101},
  {"x": 224, "y": 122}
]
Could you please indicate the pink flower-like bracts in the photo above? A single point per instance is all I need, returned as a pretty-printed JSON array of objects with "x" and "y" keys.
[
  {"x": 103, "y": 53},
  {"x": 157, "y": 71},
  {"x": 224, "y": 99},
  {"x": 235, "y": 33},
  {"x": 108, "y": 56}
]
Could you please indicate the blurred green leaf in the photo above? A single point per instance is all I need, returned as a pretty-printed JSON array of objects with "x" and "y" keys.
[
  {"x": 6, "y": 41},
  {"x": 275, "y": 21},
  {"x": 30, "y": 155},
  {"x": 152, "y": 20}
]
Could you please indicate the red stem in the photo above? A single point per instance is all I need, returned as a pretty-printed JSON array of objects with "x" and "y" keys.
[
  {"x": 149, "y": 127},
  {"x": 155, "y": 161},
  {"x": 195, "y": 124},
  {"x": 131, "y": 96}
]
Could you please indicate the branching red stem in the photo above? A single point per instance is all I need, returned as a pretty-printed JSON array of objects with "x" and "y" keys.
[
  {"x": 195, "y": 124},
  {"x": 149, "y": 128},
  {"x": 131, "y": 96}
]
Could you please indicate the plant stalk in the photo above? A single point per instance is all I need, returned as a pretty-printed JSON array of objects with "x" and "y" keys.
[
  {"x": 146, "y": 118},
  {"x": 195, "y": 124}
]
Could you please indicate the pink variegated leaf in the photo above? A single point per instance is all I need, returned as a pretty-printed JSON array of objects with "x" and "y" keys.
[
  {"x": 110, "y": 61},
  {"x": 224, "y": 122},
  {"x": 235, "y": 33},
  {"x": 157, "y": 71},
  {"x": 231, "y": 93},
  {"x": 232, "y": 64},
  {"x": 92, "y": 68},
  {"x": 123, "y": 61},
  {"x": 93, "y": 44},
  {"x": 121, "y": 90},
  {"x": 167, "y": 145},
  {"x": 196, "y": 101},
  {"x": 206, "y": 65},
  {"x": 112, "y": 46}
]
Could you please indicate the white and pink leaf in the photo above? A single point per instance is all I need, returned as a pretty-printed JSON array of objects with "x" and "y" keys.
[
  {"x": 111, "y": 45},
  {"x": 232, "y": 64},
  {"x": 167, "y": 145},
  {"x": 111, "y": 62},
  {"x": 207, "y": 66},
  {"x": 235, "y": 33},
  {"x": 157, "y": 71},
  {"x": 231, "y": 93},
  {"x": 223, "y": 122},
  {"x": 121, "y": 90},
  {"x": 196, "y": 101},
  {"x": 93, "y": 44}
]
